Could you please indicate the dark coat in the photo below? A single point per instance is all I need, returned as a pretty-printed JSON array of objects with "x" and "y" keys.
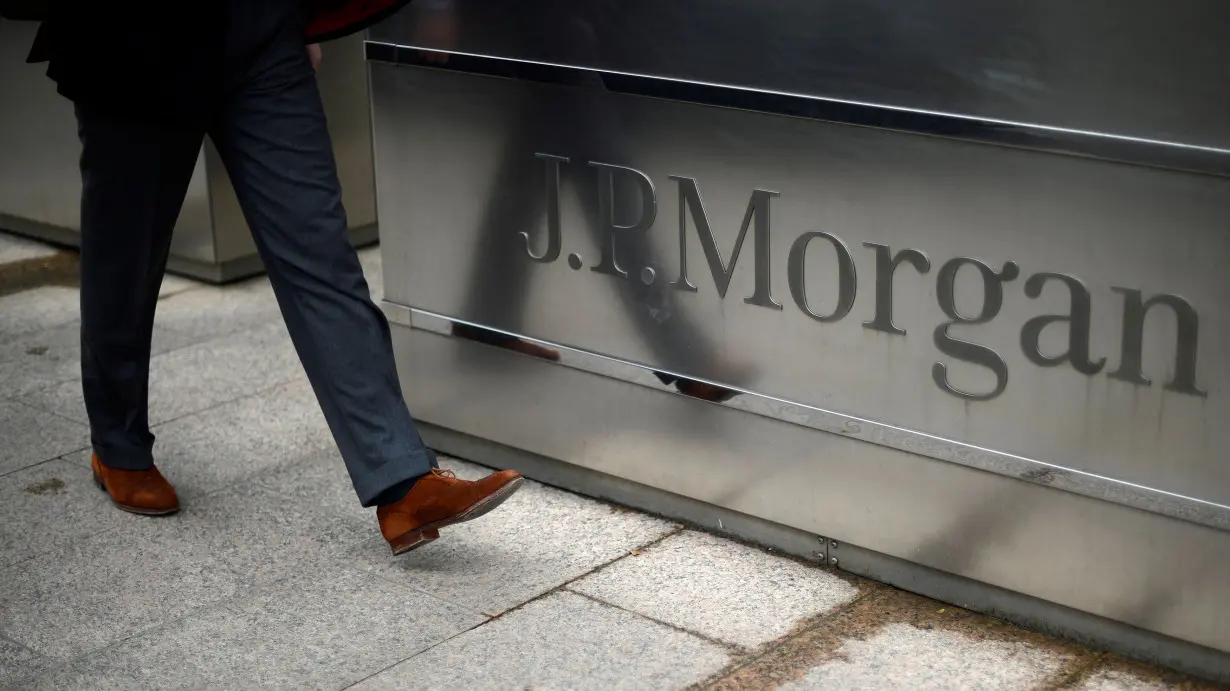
[{"x": 162, "y": 59}]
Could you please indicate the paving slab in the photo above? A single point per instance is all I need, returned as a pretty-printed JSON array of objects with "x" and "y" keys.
[
  {"x": 319, "y": 479},
  {"x": 17, "y": 662},
  {"x": 14, "y": 248},
  {"x": 1113, "y": 673},
  {"x": 719, "y": 588},
  {"x": 901, "y": 656},
  {"x": 198, "y": 377},
  {"x": 539, "y": 539},
  {"x": 91, "y": 593},
  {"x": 1110, "y": 680},
  {"x": 43, "y": 359},
  {"x": 319, "y": 630},
  {"x": 890, "y": 639},
  {"x": 209, "y": 451},
  {"x": 215, "y": 311},
  {"x": 265, "y": 534},
  {"x": 50, "y": 505},
  {"x": 38, "y": 309},
  {"x": 177, "y": 284},
  {"x": 561, "y": 641},
  {"x": 32, "y": 436}
]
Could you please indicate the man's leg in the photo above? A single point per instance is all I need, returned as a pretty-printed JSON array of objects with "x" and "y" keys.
[
  {"x": 134, "y": 178},
  {"x": 273, "y": 138}
]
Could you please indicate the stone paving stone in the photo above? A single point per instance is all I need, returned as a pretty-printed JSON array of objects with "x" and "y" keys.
[
  {"x": 49, "y": 505},
  {"x": 198, "y": 377},
  {"x": 177, "y": 284},
  {"x": 265, "y": 533},
  {"x": 90, "y": 593},
  {"x": 318, "y": 630},
  {"x": 37, "y": 310},
  {"x": 890, "y": 639},
  {"x": 718, "y": 588},
  {"x": 14, "y": 249},
  {"x": 32, "y": 436},
  {"x": 561, "y": 641},
  {"x": 216, "y": 311},
  {"x": 901, "y": 656},
  {"x": 43, "y": 359},
  {"x": 319, "y": 479},
  {"x": 16, "y": 663},
  {"x": 208, "y": 451},
  {"x": 539, "y": 539},
  {"x": 1113, "y": 673},
  {"x": 1113, "y": 680}
]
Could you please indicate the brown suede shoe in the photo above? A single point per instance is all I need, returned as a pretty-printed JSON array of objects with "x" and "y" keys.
[
  {"x": 441, "y": 499},
  {"x": 145, "y": 492}
]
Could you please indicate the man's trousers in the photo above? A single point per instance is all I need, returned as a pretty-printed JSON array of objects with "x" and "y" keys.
[{"x": 270, "y": 130}]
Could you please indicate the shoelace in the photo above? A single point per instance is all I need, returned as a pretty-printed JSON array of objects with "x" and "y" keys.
[{"x": 444, "y": 473}]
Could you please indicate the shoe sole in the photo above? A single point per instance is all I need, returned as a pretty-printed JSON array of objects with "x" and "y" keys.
[
  {"x": 132, "y": 509},
  {"x": 417, "y": 538},
  {"x": 413, "y": 540}
]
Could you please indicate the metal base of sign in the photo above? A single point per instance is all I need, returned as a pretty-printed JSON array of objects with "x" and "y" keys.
[
  {"x": 1129, "y": 581},
  {"x": 1030, "y": 612}
]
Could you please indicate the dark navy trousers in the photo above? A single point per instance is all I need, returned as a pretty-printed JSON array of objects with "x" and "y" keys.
[{"x": 269, "y": 127}]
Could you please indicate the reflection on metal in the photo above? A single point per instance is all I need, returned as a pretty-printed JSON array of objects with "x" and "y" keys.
[
  {"x": 1157, "y": 73},
  {"x": 1136, "y": 150},
  {"x": 1028, "y": 469},
  {"x": 40, "y": 184}
]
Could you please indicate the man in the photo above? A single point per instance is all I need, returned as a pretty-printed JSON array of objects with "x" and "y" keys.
[{"x": 149, "y": 81}]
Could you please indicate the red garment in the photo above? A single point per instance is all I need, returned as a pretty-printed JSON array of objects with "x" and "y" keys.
[{"x": 349, "y": 17}]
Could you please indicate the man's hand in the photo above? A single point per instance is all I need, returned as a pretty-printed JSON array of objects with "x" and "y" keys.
[{"x": 313, "y": 51}]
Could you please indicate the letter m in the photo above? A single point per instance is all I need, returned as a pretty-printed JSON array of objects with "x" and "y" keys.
[{"x": 756, "y": 217}]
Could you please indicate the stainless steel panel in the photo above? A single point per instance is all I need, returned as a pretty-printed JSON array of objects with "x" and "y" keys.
[
  {"x": 474, "y": 183},
  {"x": 1135, "y": 567},
  {"x": 1140, "y": 68},
  {"x": 884, "y": 434},
  {"x": 40, "y": 184}
]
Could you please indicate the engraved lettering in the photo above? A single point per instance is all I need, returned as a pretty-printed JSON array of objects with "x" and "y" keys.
[
  {"x": 757, "y": 217},
  {"x": 992, "y": 302},
  {"x": 1079, "y": 320},
  {"x": 886, "y": 266},
  {"x": 847, "y": 276},
  {"x": 551, "y": 253},
  {"x": 608, "y": 264},
  {"x": 1135, "y": 309}
]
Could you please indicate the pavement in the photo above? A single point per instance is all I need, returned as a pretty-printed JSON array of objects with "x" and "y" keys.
[{"x": 273, "y": 576}]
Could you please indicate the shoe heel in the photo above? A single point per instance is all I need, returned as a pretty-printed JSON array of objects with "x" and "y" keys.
[
  {"x": 413, "y": 540},
  {"x": 98, "y": 481}
]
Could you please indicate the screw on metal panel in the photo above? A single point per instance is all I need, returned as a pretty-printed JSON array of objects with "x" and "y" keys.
[
  {"x": 833, "y": 561},
  {"x": 820, "y": 538},
  {"x": 834, "y": 544}
]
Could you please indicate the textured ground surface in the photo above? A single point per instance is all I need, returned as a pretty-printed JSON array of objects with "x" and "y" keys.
[{"x": 274, "y": 577}]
